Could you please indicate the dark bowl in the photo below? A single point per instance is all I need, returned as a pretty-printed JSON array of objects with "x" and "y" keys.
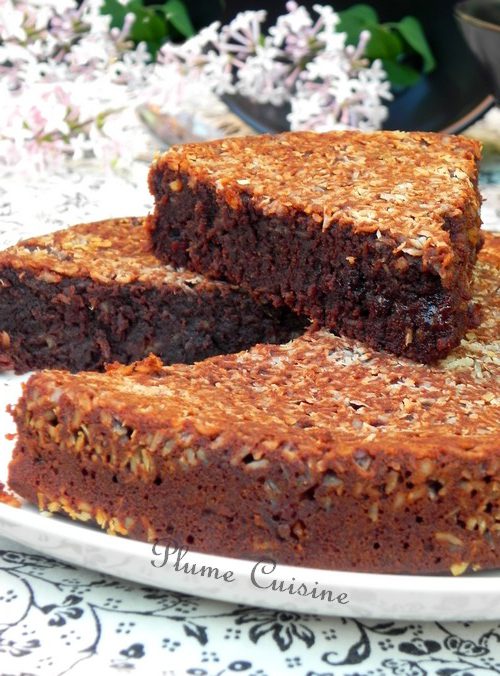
[
  {"x": 480, "y": 24},
  {"x": 451, "y": 98}
]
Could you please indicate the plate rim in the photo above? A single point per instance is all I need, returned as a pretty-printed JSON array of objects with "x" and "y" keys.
[
  {"x": 417, "y": 590},
  {"x": 28, "y": 512},
  {"x": 471, "y": 117},
  {"x": 469, "y": 597}
]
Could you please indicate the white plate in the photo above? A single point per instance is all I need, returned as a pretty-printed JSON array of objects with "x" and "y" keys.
[{"x": 469, "y": 597}]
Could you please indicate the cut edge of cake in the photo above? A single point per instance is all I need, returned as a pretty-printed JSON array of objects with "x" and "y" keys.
[
  {"x": 391, "y": 466},
  {"x": 95, "y": 293},
  {"x": 402, "y": 226}
]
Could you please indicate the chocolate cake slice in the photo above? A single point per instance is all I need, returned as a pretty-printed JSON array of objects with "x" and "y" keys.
[
  {"x": 94, "y": 293},
  {"x": 373, "y": 235},
  {"x": 320, "y": 452}
]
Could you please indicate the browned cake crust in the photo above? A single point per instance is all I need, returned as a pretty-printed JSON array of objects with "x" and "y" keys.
[
  {"x": 319, "y": 452},
  {"x": 373, "y": 235},
  {"x": 94, "y": 293}
]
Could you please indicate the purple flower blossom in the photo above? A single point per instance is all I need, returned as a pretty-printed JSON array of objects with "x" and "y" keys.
[
  {"x": 63, "y": 73},
  {"x": 70, "y": 84},
  {"x": 303, "y": 60}
]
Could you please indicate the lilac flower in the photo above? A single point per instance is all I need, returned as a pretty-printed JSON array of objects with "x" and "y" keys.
[
  {"x": 63, "y": 76},
  {"x": 190, "y": 57},
  {"x": 340, "y": 89},
  {"x": 12, "y": 21},
  {"x": 242, "y": 35},
  {"x": 303, "y": 60},
  {"x": 70, "y": 84},
  {"x": 264, "y": 79}
]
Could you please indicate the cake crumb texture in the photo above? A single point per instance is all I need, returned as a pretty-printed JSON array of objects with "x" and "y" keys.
[
  {"x": 320, "y": 452},
  {"x": 372, "y": 235},
  {"x": 94, "y": 293}
]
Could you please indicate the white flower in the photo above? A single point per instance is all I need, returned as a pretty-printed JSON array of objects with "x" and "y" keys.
[
  {"x": 242, "y": 35},
  {"x": 337, "y": 89},
  {"x": 262, "y": 79},
  {"x": 70, "y": 85},
  {"x": 191, "y": 51},
  {"x": 303, "y": 60},
  {"x": 66, "y": 94},
  {"x": 12, "y": 22},
  {"x": 328, "y": 19},
  {"x": 217, "y": 72},
  {"x": 295, "y": 22}
]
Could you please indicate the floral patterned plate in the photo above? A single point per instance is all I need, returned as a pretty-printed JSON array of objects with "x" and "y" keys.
[{"x": 264, "y": 584}]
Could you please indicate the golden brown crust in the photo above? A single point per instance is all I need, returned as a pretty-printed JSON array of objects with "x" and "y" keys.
[
  {"x": 404, "y": 185},
  {"x": 319, "y": 440},
  {"x": 375, "y": 398},
  {"x": 110, "y": 251},
  {"x": 94, "y": 293}
]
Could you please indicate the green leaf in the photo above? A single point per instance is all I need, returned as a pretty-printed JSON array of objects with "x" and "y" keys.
[
  {"x": 116, "y": 11},
  {"x": 148, "y": 27},
  {"x": 355, "y": 19},
  {"x": 399, "y": 74},
  {"x": 384, "y": 44},
  {"x": 396, "y": 43},
  {"x": 176, "y": 12},
  {"x": 411, "y": 30},
  {"x": 362, "y": 14}
]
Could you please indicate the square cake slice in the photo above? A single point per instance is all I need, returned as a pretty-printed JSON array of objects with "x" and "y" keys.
[
  {"x": 95, "y": 293},
  {"x": 372, "y": 235},
  {"x": 320, "y": 452}
]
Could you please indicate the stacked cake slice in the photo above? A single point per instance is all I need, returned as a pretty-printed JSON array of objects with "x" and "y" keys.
[
  {"x": 94, "y": 293},
  {"x": 371, "y": 235},
  {"x": 319, "y": 452},
  {"x": 322, "y": 451}
]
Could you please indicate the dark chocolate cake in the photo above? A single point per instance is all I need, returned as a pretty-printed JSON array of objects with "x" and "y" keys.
[{"x": 373, "y": 235}]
